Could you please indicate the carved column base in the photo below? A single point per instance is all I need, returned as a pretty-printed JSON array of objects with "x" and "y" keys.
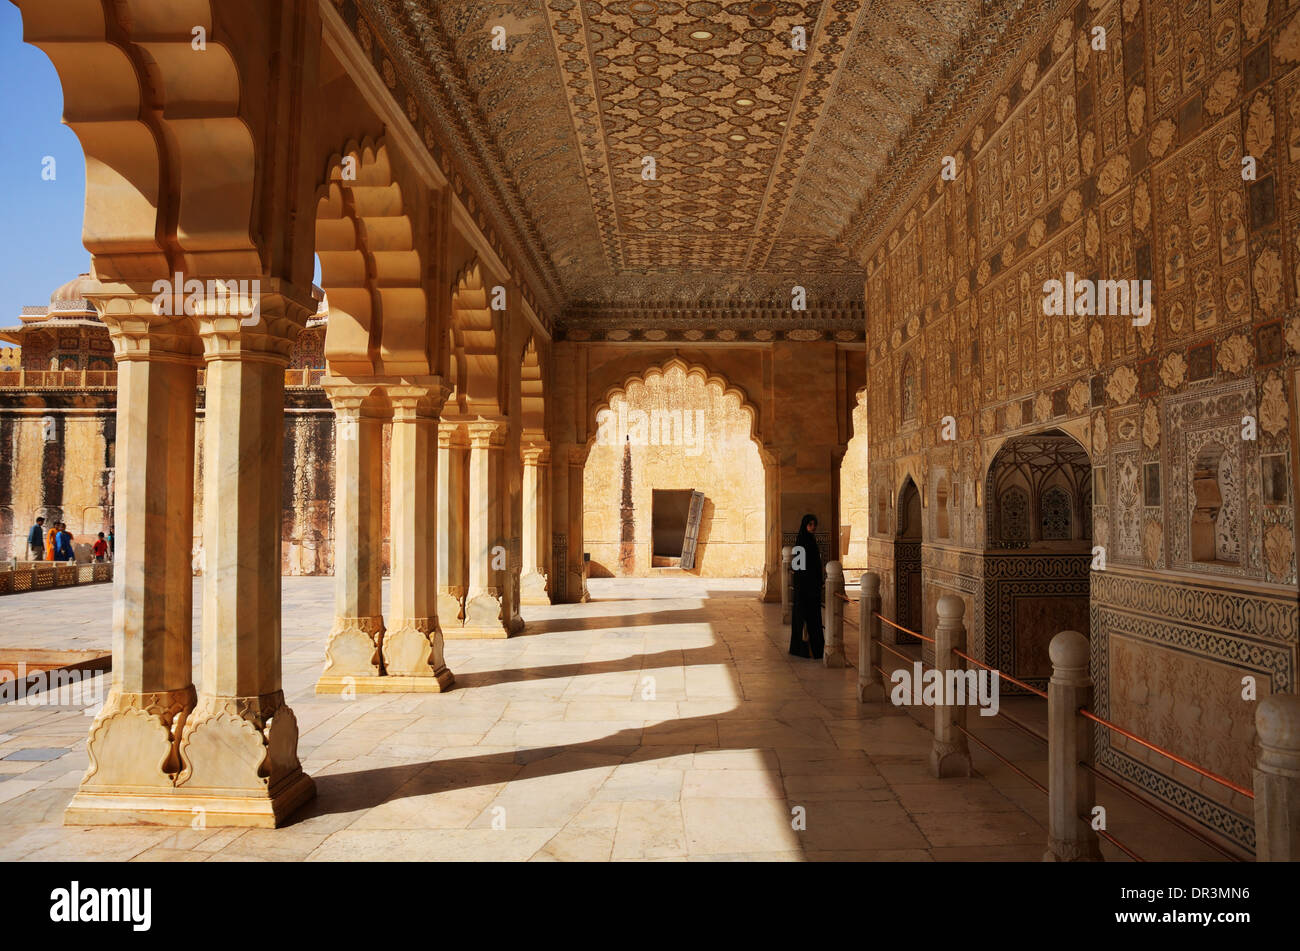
[
  {"x": 949, "y": 761},
  {"x": 352, "y": 653},
  {"x": 238, "y": 767},
  {"x": 413, "y": 658},
  {"x": 532, "y": 588},
  {"x": 1058, "y": 850},
  {"x": 451, "y": 607},
  {"x": 772, "y": 587},
  {"x": 872, "y": 693},
  {"x": 834, "y": 656},
  {"x": 484, "y": 617},
  {"x": 133, "y": 748}
]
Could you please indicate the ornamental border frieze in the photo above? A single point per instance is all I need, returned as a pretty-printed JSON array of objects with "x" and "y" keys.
[{"x": 1188, "y": 603}]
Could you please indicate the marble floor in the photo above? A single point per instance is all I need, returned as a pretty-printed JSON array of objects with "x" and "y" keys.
[{"x": 662, "y": 720}]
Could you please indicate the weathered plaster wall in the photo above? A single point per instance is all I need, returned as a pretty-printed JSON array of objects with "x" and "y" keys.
[{"x": 1123, "y": 163}]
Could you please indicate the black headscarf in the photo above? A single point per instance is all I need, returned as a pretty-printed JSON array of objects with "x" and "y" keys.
[{"x": 810, "y": 577}]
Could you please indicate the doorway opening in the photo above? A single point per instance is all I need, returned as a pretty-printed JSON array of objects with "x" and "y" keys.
[
  {"x": 907, "y": 562},
  {"x": 674, "y": 527}
]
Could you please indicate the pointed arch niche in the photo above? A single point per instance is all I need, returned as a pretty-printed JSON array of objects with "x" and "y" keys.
[
  {"x": 1039, "y": 552},
  {"x": 657, "y": 437}
]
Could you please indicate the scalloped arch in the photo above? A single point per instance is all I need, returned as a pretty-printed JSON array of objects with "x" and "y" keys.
[
  {"x": 711, "y": 379},
  {"x": 475, "y": 333},
  {"x": 371, "y": 269},
  {"x": 158, "y": 127}
]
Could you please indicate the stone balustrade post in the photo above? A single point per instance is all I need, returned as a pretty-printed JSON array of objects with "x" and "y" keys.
[
  {"x": 1070, "y": 787},
  {"x": 870, "y": 686},
  {"x": 950, "y": 755},
  {"x": 786, "y": 582},
  {"x": 833, "y": 617},
  {"x": 1277, "y": 779}
]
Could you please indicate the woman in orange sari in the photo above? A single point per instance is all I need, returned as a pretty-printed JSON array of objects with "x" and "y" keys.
[{"x": 49, "y": 542}]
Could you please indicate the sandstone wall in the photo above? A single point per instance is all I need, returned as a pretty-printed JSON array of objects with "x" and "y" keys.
[{"x": 1122, "y": 163}]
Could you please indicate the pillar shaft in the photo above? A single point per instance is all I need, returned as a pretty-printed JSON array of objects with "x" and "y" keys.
[
  {"x": 451, "y": 527},
  {"x": 353, "y": 650},
  {"x": 488, "y": 610},
  {"x": 413, "y": 646},
  {"x": 533, "y": 583},
  {"x": 133, "y": 745},
  {"x": 239, "y": 750}
]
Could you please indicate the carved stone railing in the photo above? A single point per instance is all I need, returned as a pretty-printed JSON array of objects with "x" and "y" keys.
[{"x": 18, "y": 576}]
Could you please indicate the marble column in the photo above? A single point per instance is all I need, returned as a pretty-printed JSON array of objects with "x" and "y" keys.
[
  {"x": 352, "y": 654},
  {"x": 533, "y": 584},
  {"x": 950, "y": 753},
  {"x": 413, "y": 647},
  {"x": 452, "y": 460},
  {"x": 239, "y": 749},
  {"x": 487, "y": 602},
  {"x": 133, "y": 742},
  {"x": 576, "y": 580}
]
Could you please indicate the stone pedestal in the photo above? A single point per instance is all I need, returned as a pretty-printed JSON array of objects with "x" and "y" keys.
[
  {"x": 833, "y": 617},
  {"x": 1070, "y": 787},
  {"x": 950, "y": 755},
  {"x": 871, "y": 688}
]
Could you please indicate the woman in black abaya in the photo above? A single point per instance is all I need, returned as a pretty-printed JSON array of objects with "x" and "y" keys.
[{"x": 806, "y": 609}]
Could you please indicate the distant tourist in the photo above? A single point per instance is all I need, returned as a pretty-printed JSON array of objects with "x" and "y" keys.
[
  {"x": 100, "y": 550},
  {"x": 110, "y": 544},
  {"x": 63, "y": 544},
  {"x": 49, "y": 541},
  {"x": 36, "y": 539},
  {"x": 806, "y": 611}
]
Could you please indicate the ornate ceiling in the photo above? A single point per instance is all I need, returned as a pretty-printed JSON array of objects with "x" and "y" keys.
[{"x": 764, "y": 154}]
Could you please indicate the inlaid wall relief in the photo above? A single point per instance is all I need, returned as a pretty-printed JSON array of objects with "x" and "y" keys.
[{"x": 1171, "y": 156}]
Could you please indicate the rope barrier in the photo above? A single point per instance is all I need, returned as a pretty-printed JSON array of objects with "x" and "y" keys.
[
  {"x": 901, "y": 628},
  {"x": 1084, "y": 711},
  {"x": 1018, "y": 683},
  {"x": 1087, "y": 714},
  {"x": 1172, "y": 820}
]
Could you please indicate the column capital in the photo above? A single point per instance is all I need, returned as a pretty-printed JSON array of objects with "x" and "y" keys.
[
  {"x": 536, "y": 453},
  {"x": 138, "y": 331},
  {"x": 255, "y": 320},
  {"x": 486, "y": 433},
  {"x": 451, "y": 435},
  {"x": 349, "y": 399},
  {"x": 418, "y": 400}
]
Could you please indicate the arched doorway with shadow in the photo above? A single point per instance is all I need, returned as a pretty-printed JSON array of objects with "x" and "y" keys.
[
  {"x": 1039, "y": 551},
  {"x": 908, "y": 599}
]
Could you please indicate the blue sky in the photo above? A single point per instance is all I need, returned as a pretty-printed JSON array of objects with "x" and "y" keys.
[{"x": 41, "y": 220}]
